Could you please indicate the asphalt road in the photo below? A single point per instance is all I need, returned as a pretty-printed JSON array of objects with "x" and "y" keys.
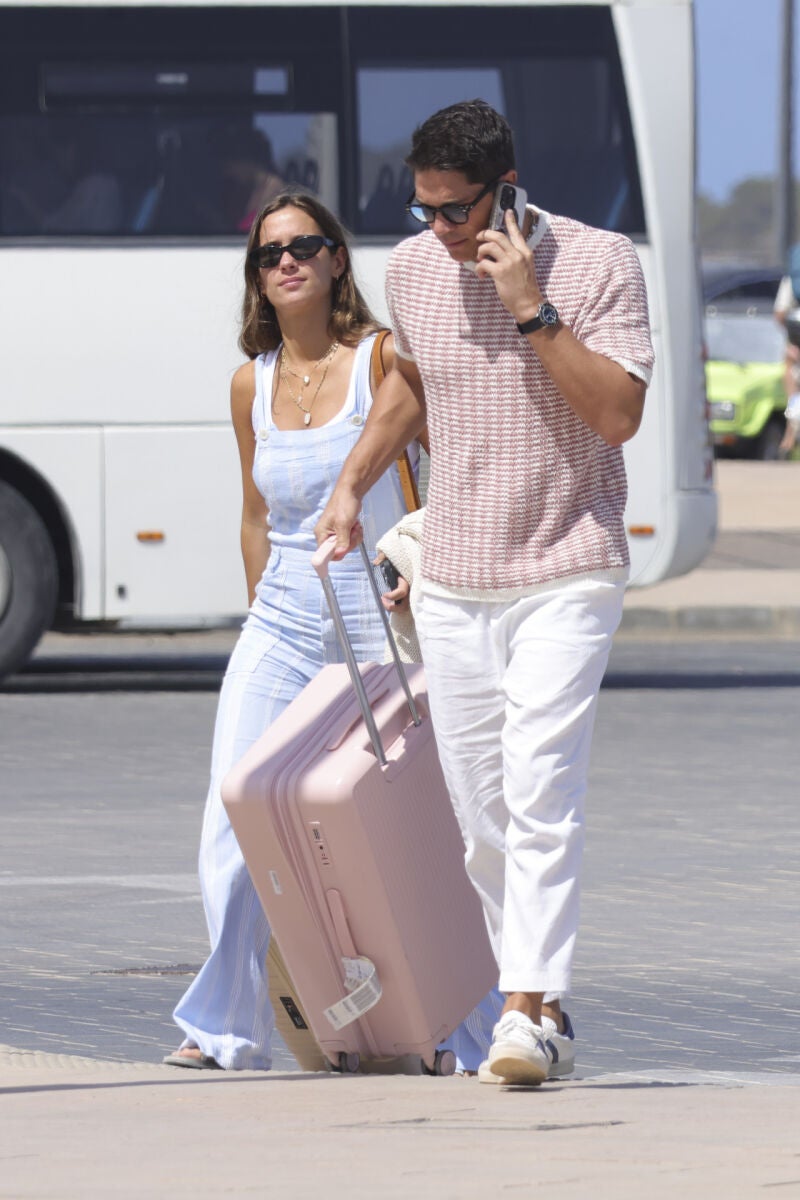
[{"x": 688, "y": 948}]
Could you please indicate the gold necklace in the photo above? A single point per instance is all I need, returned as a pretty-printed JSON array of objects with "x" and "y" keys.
[
  {"x": 286, "y": 370},
  {"x": 329, "y": 353}
]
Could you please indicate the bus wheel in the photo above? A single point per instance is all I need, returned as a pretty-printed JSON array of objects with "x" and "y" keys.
[{"x": 28, "y": 579}]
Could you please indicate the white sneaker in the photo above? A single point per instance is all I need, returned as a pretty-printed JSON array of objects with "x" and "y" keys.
[
  {"x": 560, "y": 1047},
  {"x": 518, "y": 1053}
]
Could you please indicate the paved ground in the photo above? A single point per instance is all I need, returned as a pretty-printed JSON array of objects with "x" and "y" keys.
[
  {"x": 90, "y": 1133},
  {"x": 750, "y": 581},
  {"x": 703, "y": 992},
  {"x": 103, "y": 927}
]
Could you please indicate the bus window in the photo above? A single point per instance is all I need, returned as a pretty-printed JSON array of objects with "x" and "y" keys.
[
  {"x": 412, "y": 93},
  {"x": 148, "y": 172},
  {"x": 560, "y": 86},
  {"x": 98, "y": 139}
]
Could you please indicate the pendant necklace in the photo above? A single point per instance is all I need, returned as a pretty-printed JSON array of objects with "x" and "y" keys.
[{"x": 286, "y": 371}]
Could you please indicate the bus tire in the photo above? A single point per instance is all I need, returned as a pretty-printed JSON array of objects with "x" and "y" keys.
[{"x": 28, "y": 579}]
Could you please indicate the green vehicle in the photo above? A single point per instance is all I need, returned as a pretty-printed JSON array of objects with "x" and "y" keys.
[
  {"x": 744, "y": 360},
  {"x": 744, "y": 383}
]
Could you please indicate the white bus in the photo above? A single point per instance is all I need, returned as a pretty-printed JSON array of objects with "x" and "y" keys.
[{"x": 132, "y": 140}]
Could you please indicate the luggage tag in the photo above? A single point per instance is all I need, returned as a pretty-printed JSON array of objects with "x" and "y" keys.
[
  {"x": 362, "y": 982},
  {"x": 360, "y": 975}
]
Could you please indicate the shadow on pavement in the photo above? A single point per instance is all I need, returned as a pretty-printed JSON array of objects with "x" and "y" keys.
[
  {"x": 694, "y": 681},
  {"x": 190, "y": 1078},
  {"x": 106, "y": 673},
  {"x": 265, "y": 1078}
]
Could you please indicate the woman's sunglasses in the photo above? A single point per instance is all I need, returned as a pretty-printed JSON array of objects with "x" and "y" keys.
[
  {"x": 300, "y": 248},
  {"x": 455, "y": 214}
]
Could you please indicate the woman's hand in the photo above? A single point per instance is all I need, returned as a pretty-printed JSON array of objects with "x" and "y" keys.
[{"x": 397, "y": 596}]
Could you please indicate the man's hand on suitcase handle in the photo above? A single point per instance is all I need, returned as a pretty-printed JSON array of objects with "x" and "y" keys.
[
  {"x": 340, "y": 521},
  {"x": 327, "y": 551}
]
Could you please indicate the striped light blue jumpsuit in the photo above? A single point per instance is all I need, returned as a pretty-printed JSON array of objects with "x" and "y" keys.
[{"x": 287, "y": 638}]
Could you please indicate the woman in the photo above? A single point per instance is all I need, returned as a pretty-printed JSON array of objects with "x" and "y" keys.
[{"x": 298, "y": 406}]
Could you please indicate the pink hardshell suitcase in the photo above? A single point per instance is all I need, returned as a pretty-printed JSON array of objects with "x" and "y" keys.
[{"x": 349, "y": 836}]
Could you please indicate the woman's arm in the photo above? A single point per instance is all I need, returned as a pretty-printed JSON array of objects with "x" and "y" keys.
[{"x": 254, "y": 540}]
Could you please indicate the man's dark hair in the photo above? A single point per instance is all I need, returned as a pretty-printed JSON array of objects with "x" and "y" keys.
[{"x": 469, "y": 137}]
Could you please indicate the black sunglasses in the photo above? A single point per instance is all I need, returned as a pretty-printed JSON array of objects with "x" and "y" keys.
[
  {"x": 300, "y": 248},
  {"x": 456, "y": 214}
]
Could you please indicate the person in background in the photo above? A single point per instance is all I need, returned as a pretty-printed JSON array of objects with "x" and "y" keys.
[
  {"x": 787, "y": 314},
  {"x": 528, "y": 353},
  {"x": 250, "y": 177}
]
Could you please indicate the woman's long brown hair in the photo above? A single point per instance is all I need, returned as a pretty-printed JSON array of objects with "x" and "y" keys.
[{"x": 351, "y": 319}]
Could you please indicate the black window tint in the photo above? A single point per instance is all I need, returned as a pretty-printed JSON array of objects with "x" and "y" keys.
[
  {"x": 144, "y": 121},
  {"x": 99, "y": 139},
  {"x": 125, "y": 174},
  {"x": 554, "y": 73}
]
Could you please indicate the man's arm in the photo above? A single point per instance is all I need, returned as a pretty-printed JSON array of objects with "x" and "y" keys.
[
  {"x": 397, "y": 416},
  {"x": 600, "y": 391},
  {"x": 597, "y": 389}
]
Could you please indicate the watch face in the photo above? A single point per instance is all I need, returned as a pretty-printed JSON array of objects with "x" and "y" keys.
[{"x": 548, "y": 314}]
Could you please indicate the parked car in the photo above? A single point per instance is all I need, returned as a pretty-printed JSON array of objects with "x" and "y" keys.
[{"x": 744, "y": 360}]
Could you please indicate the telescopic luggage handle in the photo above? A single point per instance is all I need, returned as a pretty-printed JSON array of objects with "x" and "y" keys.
[{"x": 320, "y": 561}]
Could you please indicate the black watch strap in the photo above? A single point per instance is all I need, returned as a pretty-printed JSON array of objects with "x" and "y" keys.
[
  {"x": 531, "y": 326},
  {"x": 546, "y": 317}
]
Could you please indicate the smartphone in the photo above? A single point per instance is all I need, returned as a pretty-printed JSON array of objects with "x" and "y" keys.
[
  {"x": 508, "y": 195},
  {"x": 390, "y": 574}
]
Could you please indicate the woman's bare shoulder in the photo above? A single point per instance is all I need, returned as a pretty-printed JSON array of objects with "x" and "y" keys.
[{"x": 243, "y": 389}]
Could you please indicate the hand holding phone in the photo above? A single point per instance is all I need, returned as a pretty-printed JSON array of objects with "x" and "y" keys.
[
  {"x": 507, "y": 195},
  {"x": 394, "y": 582},
  {"x": 390, "y": 573}
]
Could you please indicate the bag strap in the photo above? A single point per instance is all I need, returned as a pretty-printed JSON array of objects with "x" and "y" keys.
[{"x": 407, "y": 481}]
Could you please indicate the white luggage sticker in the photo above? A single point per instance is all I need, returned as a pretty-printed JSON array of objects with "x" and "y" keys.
[{"x": 361, "y": 981}]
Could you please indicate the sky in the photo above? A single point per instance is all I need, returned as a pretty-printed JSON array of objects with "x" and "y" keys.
[{"x": 738, "y": 84}]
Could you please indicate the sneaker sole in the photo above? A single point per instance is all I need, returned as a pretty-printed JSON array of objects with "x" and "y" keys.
[
  {"x": 513, "y": 1069},
  {"x": 559, "y": 1070}
]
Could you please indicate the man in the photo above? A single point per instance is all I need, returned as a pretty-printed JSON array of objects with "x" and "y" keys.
[{"x": 529, "y": 353}]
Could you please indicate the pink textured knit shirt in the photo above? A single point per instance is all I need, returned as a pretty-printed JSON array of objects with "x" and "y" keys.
[{"x": 521, "y": 491}]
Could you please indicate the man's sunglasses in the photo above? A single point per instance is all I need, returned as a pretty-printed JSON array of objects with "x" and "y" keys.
[
  {"x": 300, "y": 248},
  {"x": 456, "y": 214}
]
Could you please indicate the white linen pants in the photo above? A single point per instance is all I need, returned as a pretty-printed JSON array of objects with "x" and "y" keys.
[{"x": 513, "y": 691}]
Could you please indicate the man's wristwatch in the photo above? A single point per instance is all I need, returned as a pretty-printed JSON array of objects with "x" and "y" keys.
[{"x": 546, "y": 317}]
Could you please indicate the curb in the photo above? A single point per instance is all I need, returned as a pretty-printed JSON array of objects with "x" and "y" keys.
[
  {"x": 28, "y": 1060},
  {"x": 11, "y": 1057},
  {"x": 755, "y": 620}
]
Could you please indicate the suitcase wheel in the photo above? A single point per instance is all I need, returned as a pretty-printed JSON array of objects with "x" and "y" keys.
[
  {"x": 348, "y": 1064},
  {"x": 444, "y": 1063}
]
